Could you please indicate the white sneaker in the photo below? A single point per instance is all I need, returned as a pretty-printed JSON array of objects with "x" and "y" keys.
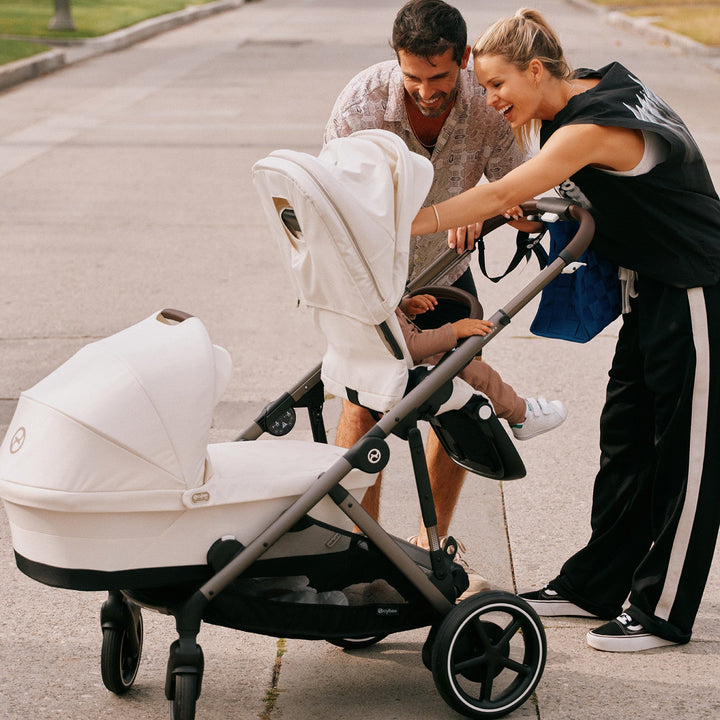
[
  {"x": 541, "y": 415},
  {"x": 476, "y": 582}
]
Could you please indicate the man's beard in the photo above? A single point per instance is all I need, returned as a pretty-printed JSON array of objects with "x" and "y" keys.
[{"x": 437, "y": 110}]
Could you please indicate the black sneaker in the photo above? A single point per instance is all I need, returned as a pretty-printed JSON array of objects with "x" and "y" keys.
[
  {"x": 623, "y": 634},
  {"x": 548, "y": 603}
]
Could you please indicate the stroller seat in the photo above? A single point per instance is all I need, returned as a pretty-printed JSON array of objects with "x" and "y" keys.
[
  {"x": 107, "y": 477},
  {"x": 342, "y": 223}
]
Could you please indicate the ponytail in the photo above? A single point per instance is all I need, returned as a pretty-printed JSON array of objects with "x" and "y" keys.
[{"x": 519, "y": 39}]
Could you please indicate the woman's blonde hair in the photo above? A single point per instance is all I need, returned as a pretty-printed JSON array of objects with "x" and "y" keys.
[{"x": 519, "y": 39}]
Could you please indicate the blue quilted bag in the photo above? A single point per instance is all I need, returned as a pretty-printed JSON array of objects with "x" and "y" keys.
[{"x": 577, "y": 306}]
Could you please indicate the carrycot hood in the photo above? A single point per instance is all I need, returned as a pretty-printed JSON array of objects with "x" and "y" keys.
[
  {"x": 129, "y": 412},
  {"x": 355, "y": 203}
]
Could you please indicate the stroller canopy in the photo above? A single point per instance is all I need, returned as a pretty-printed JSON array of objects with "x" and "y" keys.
[
  {"x": 348, "y": 252},
  {"x": 354, "y": 203},
  {"x": 131, "y": 412}
]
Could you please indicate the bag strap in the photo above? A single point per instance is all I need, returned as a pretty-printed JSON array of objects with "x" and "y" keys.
[{"x": 526, "y": 246}]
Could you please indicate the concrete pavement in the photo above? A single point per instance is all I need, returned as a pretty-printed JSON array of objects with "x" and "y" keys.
[{"x": 125, "y": 187}]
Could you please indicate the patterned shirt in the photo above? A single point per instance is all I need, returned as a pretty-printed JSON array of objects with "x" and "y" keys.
[{"x": 474, "y": 141}]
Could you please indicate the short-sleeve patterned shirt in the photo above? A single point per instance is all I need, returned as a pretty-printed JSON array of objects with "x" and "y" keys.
[{"x": 474, "y": 141}]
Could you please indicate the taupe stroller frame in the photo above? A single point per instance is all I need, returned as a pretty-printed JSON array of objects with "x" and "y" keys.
[{"x": 258, "y": 516}]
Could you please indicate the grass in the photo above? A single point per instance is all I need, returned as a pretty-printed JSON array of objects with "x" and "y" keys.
[
  {"x": 30, "y": 18},
  {"x": 11, "y": 50},
  {"x": 700, "y": 21}
]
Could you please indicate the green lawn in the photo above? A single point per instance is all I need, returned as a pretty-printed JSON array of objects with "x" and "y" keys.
[
  {"x": 699, "y": 21},
  {"x": 91, "y": 17},
  {"x": 11, "y": 50}
]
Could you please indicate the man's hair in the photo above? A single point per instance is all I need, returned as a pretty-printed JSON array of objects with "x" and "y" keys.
[{"x": 429, "y": 27}]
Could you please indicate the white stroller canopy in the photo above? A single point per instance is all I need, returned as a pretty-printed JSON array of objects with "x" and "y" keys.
[
  {"x": 348, "y": 260},
  {"x": 354, "y": 203},
  {"x": 129, "y": 412}
]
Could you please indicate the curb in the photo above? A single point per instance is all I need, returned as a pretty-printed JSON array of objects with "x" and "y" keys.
[{"x": 19, "y": 71}]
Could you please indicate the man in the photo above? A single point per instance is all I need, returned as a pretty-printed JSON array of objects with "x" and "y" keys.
[{"x": 431, "y": 99}]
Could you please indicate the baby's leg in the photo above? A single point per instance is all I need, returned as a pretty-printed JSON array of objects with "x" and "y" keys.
[{"x": 507, "y": 403}]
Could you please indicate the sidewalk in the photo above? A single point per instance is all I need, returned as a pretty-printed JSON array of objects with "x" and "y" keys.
[
  {"x": 125, "y": 187},
  {"x": 38, "y": 65},
  {"x": 71, "y": 52}
]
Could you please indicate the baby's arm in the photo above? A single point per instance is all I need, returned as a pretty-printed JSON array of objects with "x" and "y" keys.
[
  {"x": 471, "y": 326},
  {"x": 418, "y": 304}
]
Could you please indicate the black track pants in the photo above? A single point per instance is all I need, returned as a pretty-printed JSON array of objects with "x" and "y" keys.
[{"x": 656, "y": 499}]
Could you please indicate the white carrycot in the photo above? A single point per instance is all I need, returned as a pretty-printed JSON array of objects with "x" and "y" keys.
[{"x": 107, "y": 476}]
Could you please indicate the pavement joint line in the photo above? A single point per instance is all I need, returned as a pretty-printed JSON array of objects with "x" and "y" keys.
[{"x": 507, "y": 537}]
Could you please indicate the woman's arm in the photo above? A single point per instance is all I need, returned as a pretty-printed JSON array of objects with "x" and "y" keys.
[{"x": 568, "y": 150}]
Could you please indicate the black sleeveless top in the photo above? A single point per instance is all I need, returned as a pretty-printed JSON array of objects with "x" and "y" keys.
[{"x": 665, "y": 223}]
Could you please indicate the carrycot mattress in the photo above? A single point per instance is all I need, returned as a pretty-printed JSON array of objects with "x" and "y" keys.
[{"x": 249, "y": 485}]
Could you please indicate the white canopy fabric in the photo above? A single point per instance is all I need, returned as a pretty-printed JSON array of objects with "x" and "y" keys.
[
  {"x": 131, "y": 412},
  {"x": 354, "y": 203}
]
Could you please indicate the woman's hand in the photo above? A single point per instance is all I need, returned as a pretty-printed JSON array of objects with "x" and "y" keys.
[
  {"x": 516, "y": 216},
  {"x": 513, "y": 213}
]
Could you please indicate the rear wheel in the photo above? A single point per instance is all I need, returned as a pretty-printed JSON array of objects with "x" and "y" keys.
[
  {"x": 488, "y": 655},
  {"x": 121, "y": 653}
]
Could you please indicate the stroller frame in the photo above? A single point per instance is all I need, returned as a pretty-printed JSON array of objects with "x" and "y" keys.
[
  {"x": 464, "y": 644},
  {"x": 371, "y": 453}
]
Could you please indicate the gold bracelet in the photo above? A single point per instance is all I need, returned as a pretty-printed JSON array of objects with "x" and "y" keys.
[{"x": 437, "y": 218}]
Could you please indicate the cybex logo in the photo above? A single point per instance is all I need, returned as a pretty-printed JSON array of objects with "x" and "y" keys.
[{"x": 18, "y": 440}]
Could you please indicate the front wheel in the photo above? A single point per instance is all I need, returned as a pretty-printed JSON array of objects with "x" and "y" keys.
[
  {"x": 182, "y": 707},
  {"x": 488, "y": 655},
  {"x": 357, "y": 643}
]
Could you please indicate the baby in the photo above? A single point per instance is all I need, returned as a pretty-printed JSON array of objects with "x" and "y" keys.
[{"x": 527, "y": 417}]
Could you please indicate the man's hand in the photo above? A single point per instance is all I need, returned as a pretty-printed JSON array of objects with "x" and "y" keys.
[{"x": 464, "y": 237}]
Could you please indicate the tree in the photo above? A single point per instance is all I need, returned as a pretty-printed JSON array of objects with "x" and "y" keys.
[{"x": 62, "y": 19}]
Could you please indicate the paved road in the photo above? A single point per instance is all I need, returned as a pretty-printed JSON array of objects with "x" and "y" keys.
[{"x": 125, "y": 187}]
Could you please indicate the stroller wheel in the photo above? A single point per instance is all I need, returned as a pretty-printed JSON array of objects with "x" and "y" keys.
[
  {"x": 182, "y": 707},
  {"x": 488, "y": 655},
  {"x": 357, "y": 643},
  {"x": 121, "y": 652}
]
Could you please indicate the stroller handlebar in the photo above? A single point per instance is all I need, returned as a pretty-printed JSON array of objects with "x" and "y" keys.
[{"x": 564, "y": 209}]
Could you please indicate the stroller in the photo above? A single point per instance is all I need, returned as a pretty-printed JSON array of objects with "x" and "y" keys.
[{"x": 109, "y": 482}]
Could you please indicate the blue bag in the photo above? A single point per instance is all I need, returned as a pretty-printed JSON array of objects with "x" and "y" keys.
[{"x": 577, "y": 306}]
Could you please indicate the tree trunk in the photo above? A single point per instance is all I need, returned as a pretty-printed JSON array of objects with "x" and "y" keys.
[{"x": 62, "y": 19}]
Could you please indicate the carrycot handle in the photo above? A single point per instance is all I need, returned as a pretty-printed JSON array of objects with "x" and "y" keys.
[{"x": 174, "y": 315}]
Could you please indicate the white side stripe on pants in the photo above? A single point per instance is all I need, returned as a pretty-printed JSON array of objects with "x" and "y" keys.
[{"x": 698, "y": 431}]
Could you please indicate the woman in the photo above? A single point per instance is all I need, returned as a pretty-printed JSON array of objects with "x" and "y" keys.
[{"x": 619, "y": 150}]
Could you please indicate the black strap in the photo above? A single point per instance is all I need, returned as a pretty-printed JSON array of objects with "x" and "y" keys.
[
  {"x": 527, "y": 245},
  {"x": 390, "y": 341}
]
